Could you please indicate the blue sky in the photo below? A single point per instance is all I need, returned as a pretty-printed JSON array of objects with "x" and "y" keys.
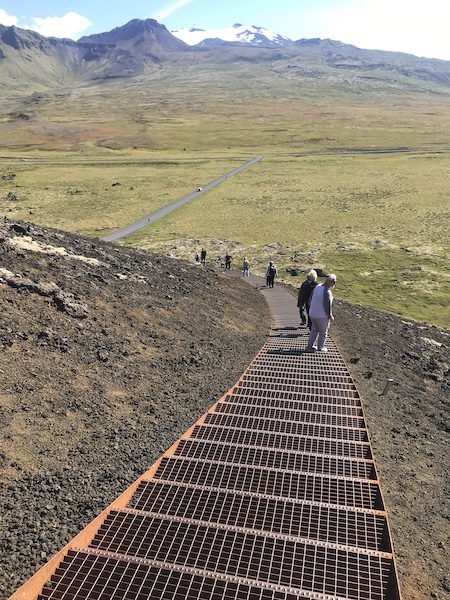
[{"x": 416, "y": 26}]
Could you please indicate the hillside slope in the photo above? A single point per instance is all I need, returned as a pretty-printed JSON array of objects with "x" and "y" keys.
[
  {"x": 108, "y": 354},
  {"x": 103, "y": 365},
  {"x": 146, "y": 48}
]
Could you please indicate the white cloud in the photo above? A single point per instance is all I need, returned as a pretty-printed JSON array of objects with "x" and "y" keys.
[
  {"x": 70, "y": 25},
  {"x": 6, "y": 19},
  {"x": 416, "y": 26},
  {"x": 169, "y": 10}
]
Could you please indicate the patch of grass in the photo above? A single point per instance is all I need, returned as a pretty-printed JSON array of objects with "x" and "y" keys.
[
  {"x": 349, "y": 214},
  {"x": 96, "y": 198},
  {"x": 373, "y": 220}
]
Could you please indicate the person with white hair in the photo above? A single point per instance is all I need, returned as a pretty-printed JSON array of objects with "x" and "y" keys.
[
  {"x": 246, "y": 267},
  {"x": 321, "y": 314},
  {"x": 304, "y": 296}
]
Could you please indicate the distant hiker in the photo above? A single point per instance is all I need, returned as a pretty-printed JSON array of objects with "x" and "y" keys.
[
  {"x": 203, "y": 256},
  {"x": 228, "y": 259},
  {"x": 246, "y": 268},
  {"x": 196, "y": 256},
  {"x": 304, "y": 296},
  {"x": 321, "y": 314},
  {"x": 271, "y": 271}
]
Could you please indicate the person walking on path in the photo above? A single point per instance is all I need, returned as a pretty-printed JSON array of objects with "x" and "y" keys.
[
  {"x": 228, "y": 259},
  {"x": 304, "y": 296},
  {"x": 246, "y": 268},
  {"x": 196, "y": 257},
  {"x": 271, "y": 271},
  {"x": 203, "y": 257},
  {"x": 321, "y": 314}
]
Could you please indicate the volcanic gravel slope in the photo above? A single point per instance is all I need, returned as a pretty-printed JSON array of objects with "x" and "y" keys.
[
  {"x": 103, "y": 365},
  {"x": 409, "y": 430}
]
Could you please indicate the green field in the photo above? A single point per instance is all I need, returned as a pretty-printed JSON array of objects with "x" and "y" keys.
[
  {"x": 96, "y": 198},
  {"x": 380, "y": 222},
  {"x": 370, "y": 219}
]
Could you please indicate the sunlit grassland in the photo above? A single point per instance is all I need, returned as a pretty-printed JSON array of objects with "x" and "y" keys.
[
  {"x": 244, "y": 110},
  {"x": 97, "y": 198},
  {"x": 380, "y": 222}
]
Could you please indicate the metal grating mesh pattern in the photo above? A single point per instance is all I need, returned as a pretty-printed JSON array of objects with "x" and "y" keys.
[
  {"x": 290, "y": 427},
  {"x": 299, "y": 486},
  {"x": 281, "y": 414},
  {"x": 289, "y": 563},
  {"x": 271, "y": 459},
  {"x": 273, "y": 495},
  {"x": 336, "y": 409},
  {"x": 284, "y": 442},
  {"x": 84, "y": 576},
  {"x": 335, "y": 397},
  {"x": 338, "y": 525}
]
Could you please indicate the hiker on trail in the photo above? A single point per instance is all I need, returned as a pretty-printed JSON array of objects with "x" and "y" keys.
[
  {"x": 196, "y": 257},
  {"x": 203, "y": 256},
  {"x": 228, "y": 259},
  {"x": 321, "y": 314},
  {"x": 304, "y": 296},
  {"x": 271, "y": 271},
  {"x": 246, "y": 268}
]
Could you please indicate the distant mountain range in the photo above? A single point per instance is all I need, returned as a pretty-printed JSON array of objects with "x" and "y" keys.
[
  {"x": 144, "y": 47},
  {"x": 241, "y": 34}
]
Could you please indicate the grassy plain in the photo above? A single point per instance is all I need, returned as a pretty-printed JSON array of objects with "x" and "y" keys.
[
  {"x": 96, "y": 198},
  {"x": 380, "y": 222}
]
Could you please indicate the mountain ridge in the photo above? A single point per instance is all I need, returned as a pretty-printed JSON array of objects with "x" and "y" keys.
[
  {"x": 251, "y": 35},
  {"x": 145, "y": 47}
]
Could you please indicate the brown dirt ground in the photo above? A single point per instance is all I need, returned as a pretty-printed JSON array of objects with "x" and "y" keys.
[{"x": 102, "y": 374}]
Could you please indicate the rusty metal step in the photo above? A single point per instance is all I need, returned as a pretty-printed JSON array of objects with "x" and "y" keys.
[
  {"x": 361, "y": 528},
  {"x": 272, "y": 495}
]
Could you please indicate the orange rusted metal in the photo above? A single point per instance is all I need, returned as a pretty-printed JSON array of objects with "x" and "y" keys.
[{"x": 272, "y": 494}]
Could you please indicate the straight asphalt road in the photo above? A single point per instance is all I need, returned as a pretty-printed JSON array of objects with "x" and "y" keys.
[{"x": 166, "y": 210}]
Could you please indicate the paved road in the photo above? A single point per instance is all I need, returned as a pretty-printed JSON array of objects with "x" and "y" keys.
[{"x": 165, "y": 210}]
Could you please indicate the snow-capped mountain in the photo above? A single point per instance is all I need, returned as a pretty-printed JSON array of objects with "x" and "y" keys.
[{"x": 244, "y": 34}]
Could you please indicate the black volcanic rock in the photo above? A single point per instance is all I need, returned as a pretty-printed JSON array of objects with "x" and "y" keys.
[{"x": 140, "y": 37}]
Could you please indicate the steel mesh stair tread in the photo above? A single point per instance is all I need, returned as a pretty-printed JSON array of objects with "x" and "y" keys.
[
  {"x": 282, "y": 414},
  {"x": 334, "y": 524},
  {"x": 289, "y": 427},
  {"x": 289, "y": 442},
  {"x": 84, "y": 575},
  {"x": 336, "y": 409},
  {"x": 347, "y": 492},
  {"x": 279, "y": 460},
  {"x": 311, "y": 396}
]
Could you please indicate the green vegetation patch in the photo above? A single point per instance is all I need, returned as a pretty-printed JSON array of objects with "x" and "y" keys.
[
  {"x": 96, "y": 198},
  {"x": 380, "y": 222}
]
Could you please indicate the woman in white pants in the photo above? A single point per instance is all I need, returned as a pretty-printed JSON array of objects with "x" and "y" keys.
[{"x": 321, "y": 314}]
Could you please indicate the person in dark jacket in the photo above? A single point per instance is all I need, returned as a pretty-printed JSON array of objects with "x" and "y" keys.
[
  {"x": 304, "y": 296},
  {"x": 203, "y": 257},
  {"x": 271, "y": 271}
]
